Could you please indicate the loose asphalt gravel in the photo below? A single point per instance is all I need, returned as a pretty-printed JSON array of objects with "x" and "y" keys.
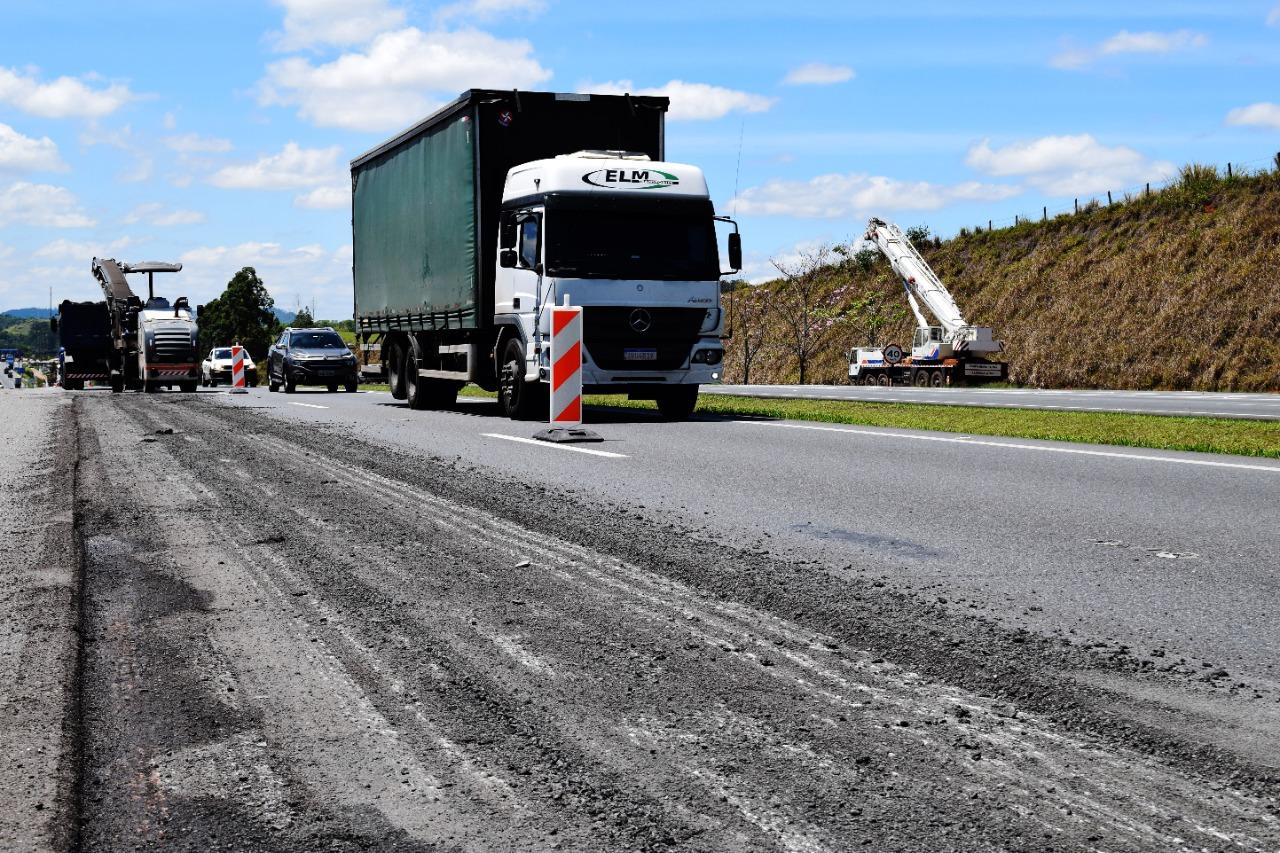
[{"x": 294, "y": 637}]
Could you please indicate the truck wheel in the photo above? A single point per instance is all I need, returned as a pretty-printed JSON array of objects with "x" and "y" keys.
[
  {"x": 351, "y": 387},
  {"x": 187, "y": 387},
  {"x": 869, "y": 379},
  {"x": 117, "y": 384},
  {"x": 150, "y": 387},
  {"x": 921, "y": 379},
  {"x": 518, "y": 399},
  {"x": 332, "y": 387},
  {"x": 395, "y": 357},
  {"x": 885, "y": 381},
  {"x": 935, "y": 379},
  {"x": 678, "y": 403}
]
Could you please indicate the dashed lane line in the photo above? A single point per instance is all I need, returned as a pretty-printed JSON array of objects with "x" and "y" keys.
[
  {"x": 553, "y": 445},
  {"x": 309, "y": 405},
  {"x": 1270, "y": 469}
]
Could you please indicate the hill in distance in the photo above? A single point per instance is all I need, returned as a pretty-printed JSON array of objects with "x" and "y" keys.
[{"x": 28, "y": 313}]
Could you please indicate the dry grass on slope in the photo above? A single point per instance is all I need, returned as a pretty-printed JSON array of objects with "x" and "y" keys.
[{"x": 1179, "y": 290}]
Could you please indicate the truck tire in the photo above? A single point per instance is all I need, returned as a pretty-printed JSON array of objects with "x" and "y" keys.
[
  {"x": 188, "y": 387},
  {"x": 351, "y": 387},
  {"x": 870, "y": 379},
  {"x": 921, "y": 379},
  {"x": 150, "y": 387},
  {"x": 332, "y": 387},
  {"x": 518, "y": 399},
  {"x": 885, "y": 381},
  {"x": 117, "y": 384},
  {"x": 678, "y": 403},
  {"x": 423, "y": 393},
  {"x": 395, "y": 378},
  {"x": 935, "y": 379}
]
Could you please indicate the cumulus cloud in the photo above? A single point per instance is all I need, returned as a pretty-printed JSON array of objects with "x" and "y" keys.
[
  {"x": 325, "y": 198},
  {"x": 194, "y": 143},
  {"x": 64, "y": 97},
  {"x": 293, "y": 168},
  {"x": 302, "y": 272},
  {"x": 20, "y": 153},
  {"x": 1262, "y": 114},
  {"x": 1125, "y": 42},
  {"x": 78, "y": 250},
  {"x": 690, "y": 101},
  {"x": 41, "y": 205},
  {"x": 154, "y": 213},
  {"x": 314, "y": 23},
  {"x": 818, "y": 74},
  {"x": 839, "y": 196},
  {"x": 1068, "y": 165},
  {"x": 401, "y": 77},
  {"x": 488, "y": 10}
]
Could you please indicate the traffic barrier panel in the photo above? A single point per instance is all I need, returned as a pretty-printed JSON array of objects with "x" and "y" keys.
[
  {"x": 237, "y": 371},
  {"x": 566, "y": 366}
]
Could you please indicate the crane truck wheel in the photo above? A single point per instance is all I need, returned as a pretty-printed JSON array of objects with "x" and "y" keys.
[
  {"x": 395, "y": 380},
  {"x": 935, "y": 379},
  {"x": 921, "y": 379},
  {"x": 885, "y": 381},
  {"x": 518, "y": 399},
  {"x": 678, "y": 403}
]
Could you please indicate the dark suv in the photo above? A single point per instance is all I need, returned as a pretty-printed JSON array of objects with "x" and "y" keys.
[{"x": 310, "y": 357}]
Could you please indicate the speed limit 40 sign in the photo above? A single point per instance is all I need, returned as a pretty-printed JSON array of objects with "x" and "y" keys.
[{"x": 892, "y": 354}]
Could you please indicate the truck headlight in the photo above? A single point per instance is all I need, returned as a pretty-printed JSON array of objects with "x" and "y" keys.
[{"x": 710, "y": 320}]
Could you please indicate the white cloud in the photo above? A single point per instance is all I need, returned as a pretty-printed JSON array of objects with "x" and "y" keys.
[
  {"x": 690, "y": 101},
  {"x": 325, "y": 198},
  {"x": 488, "y": 10},
  {"x": 312, "y": 23},
  {"x": 20, "y": 153},
  {"x": 1125, "y": 42},
  {"x": 154, "y": 213},
  {"x": 293, "y": 168},
  {"x": 1273, "y": 17},
  {"x": 1069, "y": 165},
  {"x": 291, "y": 274},
  {"x": 123, "y": 139},
  {"x": 41, "y": 205},
  {"x": 818, "y": 74},
  {"x": 77, "y": 250},
  {"x": 401, "y": 77},
  {"x": 1256, "y": 115},
  {"x": 65, "y": 97},
  {"x": 838, "y": 196},
  {"x": 194, "y": 143}
]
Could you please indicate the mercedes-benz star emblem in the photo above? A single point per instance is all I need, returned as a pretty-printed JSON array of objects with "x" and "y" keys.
[{"x": 640, "y": 321}]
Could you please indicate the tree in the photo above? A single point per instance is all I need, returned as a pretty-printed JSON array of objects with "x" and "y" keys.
[
  {"x": 800, "y": 302},
  {"x": 303, "y": 320},
  {"x": 749, "y": 310},
  {"x": 242, "y": 314},
  {"x": 877, "y": 309}
]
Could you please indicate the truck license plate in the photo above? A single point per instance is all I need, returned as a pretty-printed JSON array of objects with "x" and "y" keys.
[{"x": 640, "y": 354}]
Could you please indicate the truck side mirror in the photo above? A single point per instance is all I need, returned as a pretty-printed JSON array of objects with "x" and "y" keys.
[
  {"x": 507, "y": 259},
  {"x": 507, "y": 232},
  {"x": 735, "y": 251},
  {"x": 199, "y": 310}
]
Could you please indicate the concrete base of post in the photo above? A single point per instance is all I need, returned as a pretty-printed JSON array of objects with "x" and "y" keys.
[{"x": 561, "y": 435}]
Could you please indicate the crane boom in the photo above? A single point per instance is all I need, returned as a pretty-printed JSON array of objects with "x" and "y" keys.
[{"x": 918, "y": 279}]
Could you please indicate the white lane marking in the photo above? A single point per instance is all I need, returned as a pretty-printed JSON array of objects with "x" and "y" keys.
[
  {"x": 1271, "y": 469},
  {"x": 537, "y": 443},
  {"x": 309, "y": 405}
]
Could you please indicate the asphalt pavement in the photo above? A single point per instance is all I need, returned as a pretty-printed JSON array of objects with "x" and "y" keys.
[
  {"x": 322, "y": 620},
  {"x": 1185, "y": 403}
]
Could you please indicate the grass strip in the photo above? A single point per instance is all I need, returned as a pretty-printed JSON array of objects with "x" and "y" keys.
[{"x": 1160, "y": 432}]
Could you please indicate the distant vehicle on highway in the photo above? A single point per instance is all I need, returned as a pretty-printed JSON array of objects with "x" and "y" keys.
[
  {"x": 310, "y": 357},
  {"x": 216, "y": 368}
]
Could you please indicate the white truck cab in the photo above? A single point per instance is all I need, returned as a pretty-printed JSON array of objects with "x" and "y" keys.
[{"x": 634, "y": 243}]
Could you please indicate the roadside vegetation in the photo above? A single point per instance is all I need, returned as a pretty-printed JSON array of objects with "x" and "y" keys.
[
  {"x": 1176, "y": 289},
  {"x": 1159, "y": 432}
]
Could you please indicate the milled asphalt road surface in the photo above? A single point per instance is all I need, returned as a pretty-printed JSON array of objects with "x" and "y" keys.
[
  {"x": 1190, "y": 403},
  {"x": 323, "y": 621}
]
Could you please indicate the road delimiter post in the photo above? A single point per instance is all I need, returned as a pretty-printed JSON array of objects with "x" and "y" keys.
[
  {"x": 566, "y": 377},
  {"x": 237, "y": 371}
]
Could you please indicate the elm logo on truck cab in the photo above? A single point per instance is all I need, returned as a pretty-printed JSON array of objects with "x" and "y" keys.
[{"x": 634, "y": 179}]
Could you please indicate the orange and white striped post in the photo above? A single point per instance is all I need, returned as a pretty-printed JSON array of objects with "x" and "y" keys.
[
  {"x": 237, "y": 370},
  {"x": 566, "y": 366}
]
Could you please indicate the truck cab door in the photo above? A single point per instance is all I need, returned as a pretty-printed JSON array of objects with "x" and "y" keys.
[{"x": 519, "y": 264}]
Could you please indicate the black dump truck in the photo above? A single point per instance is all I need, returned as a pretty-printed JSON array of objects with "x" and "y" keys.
[{"x": 84, "y": 333}]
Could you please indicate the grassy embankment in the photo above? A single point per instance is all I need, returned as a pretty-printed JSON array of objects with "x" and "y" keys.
[
  {"x": 1162, "y": 432},
  {"x": 1176, "y": 290}
]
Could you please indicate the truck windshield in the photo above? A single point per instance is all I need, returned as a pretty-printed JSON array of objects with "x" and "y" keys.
[{"x": 632, "y": 244}]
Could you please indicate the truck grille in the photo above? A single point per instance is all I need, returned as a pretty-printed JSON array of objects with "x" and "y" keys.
[
  {"x": 173, "y": 345},
  {"x": 608, "y": 332}
]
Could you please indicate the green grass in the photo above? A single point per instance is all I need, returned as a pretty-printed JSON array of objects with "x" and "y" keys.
[{"x": 1162, "y": 432}]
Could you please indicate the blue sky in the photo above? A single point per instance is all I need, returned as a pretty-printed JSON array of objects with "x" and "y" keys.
[{"x": 219, "y": 133}]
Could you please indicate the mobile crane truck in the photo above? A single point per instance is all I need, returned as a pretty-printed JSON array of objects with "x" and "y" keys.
[
  {"x": 469, "y": 226},
  {"x": 950, "y": 352}
]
